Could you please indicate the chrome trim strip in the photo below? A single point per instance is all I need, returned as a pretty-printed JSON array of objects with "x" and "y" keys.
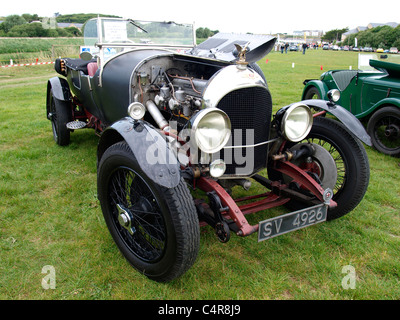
[{"x": 251, "y": 145}]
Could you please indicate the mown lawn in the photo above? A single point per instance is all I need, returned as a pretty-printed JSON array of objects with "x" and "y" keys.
[{"x": 50, "y": 216}]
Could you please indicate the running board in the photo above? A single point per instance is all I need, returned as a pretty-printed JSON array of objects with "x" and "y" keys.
[{"x": 75, "y": 125}]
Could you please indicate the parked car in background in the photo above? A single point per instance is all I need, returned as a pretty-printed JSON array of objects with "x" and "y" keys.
[
  {"x": 393, "y": 50},
  {"x": 373, "y": 97},
  {"x": 368, "y": 49},
  {"x": 325, "y": 47},
  {"x": 294, "y": 47},
  {"x": 379, "y": 50}
]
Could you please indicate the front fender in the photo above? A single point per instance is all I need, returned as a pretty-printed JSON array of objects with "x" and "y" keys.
[
  {"x": 318, "y": 84},
  {"x": 60, "y": 88},
  {"x": 345, "y": 116},
  {"x": 148, "y": 146}
]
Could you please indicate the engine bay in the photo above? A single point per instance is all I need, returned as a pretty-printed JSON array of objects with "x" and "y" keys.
[{"x": 174, "y": 84}]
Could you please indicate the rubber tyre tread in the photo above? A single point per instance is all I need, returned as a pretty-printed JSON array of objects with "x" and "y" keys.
[
  {"x": 311, "y": 92},
  {"x": 183, "y": 215},
  {"x": 390, "y": 111},
  {"x": 358, "y": 166},
  {"x": 64, "y": 115}
]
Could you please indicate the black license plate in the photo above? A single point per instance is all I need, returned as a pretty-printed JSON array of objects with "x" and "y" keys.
[{"x": 292, "y": 221}]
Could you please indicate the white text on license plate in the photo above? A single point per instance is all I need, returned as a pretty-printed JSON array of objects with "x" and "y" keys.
[{"x": 292, "y": 221}]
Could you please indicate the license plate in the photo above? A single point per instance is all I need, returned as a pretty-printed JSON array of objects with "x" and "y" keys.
[{"x": 292, "y": 221}]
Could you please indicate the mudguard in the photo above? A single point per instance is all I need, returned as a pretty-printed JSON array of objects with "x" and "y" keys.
[
  {"x": 149, "y": 147},
  {"x": 319, "y": 85},
  {"x": 345, "y": 116},
  {"x": 382, "y": 103},
  {"x": 60, "y": 88}
]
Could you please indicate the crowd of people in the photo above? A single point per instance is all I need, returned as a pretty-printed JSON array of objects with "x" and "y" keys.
[{"x": 284, "y": 47}]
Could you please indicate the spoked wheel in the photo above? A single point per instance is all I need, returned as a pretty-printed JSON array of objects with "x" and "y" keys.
[
  {"x": 384, "y": 129},
  {"x": 339, "y": 163},
  {"x": 60, "y": 114},
  {"x": 155, "y": 228}
]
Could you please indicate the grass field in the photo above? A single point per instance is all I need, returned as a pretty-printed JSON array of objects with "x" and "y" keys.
[
  {"x": 27, "y": 50},
  {"x": 50, "y": 216}
]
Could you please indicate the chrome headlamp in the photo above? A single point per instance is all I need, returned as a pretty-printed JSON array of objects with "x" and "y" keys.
[
  {"x": 333, "y": 95},
  {"x": 296, "y": 122},
  {"x": 136, "y": 110},
  {"x": 211, "y": 128}
]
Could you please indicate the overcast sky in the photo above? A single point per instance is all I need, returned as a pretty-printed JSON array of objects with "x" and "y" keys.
[{"x": 257, "y": 16}]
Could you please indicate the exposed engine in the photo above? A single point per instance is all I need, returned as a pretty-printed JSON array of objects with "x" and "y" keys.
[{"x": 175, "y": 90}]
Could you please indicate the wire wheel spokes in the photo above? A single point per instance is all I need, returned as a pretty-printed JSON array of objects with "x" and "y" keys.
[
  {"x": 137, "y": 214},
  {"x": 337, "y": 158},
  {"x": 387, "y": 132}
]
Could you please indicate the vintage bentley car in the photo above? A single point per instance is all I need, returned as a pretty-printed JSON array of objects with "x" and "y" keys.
[
  {"x": 182, "y": 125},
  {"x": 373, "y": 97}
]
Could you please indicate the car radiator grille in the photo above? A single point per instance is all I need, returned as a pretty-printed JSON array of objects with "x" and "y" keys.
[{"x": 249, "y": 110}]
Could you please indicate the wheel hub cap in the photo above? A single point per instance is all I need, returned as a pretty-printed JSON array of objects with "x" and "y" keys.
[
  {"x": 392, "y": 131},
  {"x": 124, "y": 219}
]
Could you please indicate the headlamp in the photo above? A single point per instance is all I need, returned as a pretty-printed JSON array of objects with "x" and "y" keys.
[
  {"x": 136, "y": 110},
  {"x": 296, "y": 122},
  {"x": 333, "y": 95},
  {"x": 212, "y": 129}
]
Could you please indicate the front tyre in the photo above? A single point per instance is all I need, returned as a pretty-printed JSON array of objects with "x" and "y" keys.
[
  {"x": 155, "y": 228},
  {"x": 60, "y": 114},
  {"x": 339, "y": 163}
]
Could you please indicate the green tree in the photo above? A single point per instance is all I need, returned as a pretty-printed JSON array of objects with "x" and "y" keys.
[
  {"x": 334, "y": 35},
  {"x": 200, "y": 32},
  {"x": 34, "y": 29},
  {"x": 12, "y": 21},
  {"x": 30, "y": 17},
  {"x": 73, "y": 31},
  {"x": 393, "y": 36}
]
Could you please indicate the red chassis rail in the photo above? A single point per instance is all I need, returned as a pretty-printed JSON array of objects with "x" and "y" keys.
[{"x": 279, "y": 196}]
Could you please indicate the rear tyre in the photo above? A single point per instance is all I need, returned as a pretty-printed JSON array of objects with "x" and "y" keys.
[
  {"x": 155, "y": 228},
  {"x": 60, "y": 114},
  {"x": 384, "y": 129}
]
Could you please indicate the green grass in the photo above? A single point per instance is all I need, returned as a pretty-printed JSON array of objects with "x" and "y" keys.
[
  {"x": 27, "y": 50},
  {"x": 49, "y": 215}
]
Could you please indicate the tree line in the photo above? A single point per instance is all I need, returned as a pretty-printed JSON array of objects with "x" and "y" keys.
[
  {"x": 383, "y": 37},
  {"x": 31, "y": 25},
  {"x": 28, "y": 25}
]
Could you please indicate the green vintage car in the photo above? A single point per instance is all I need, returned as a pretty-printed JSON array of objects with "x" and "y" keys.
[{"x": 372, "y": 96}]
